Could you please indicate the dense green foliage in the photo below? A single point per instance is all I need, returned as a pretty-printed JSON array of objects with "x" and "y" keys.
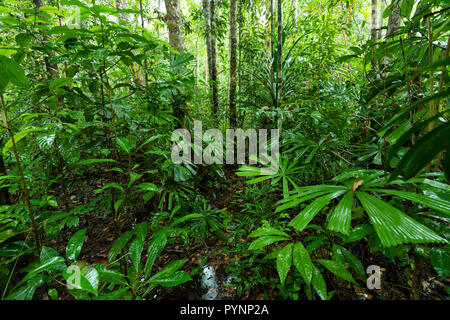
[{"x": 88, "y": 114}]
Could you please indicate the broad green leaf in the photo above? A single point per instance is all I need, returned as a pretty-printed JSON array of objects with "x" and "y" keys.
[
  {"x": 154, "y": 249},
  {"x": 118, "y": 245},
  {"x": 27, "y": 292},
  {"x": 406, "y": 7},
  {"x": 358, "y": 232},
  {"x": 23, "y": 293},
  {"x": 284, "y": 261},
  {"x": 354, "y": 263},
  {"x": 110, "y": 185},
  {"x": 302, "y": 262},
  {"x": 136, "y": 248},
  {"x": 171, "y": 279},
  {"x": 141, "y": 230},
  {"x": 106, "y": 275},
  {"x": 265, "y": 241},
  {"x": 59, "y": 83},
  {"x": 303, "y": 218},
  {"x": 440, "y": 260},
  {"x": 53, "y": 263},
  {"x": 338, "y": 255},
  {"x": 118, "y": 294},
  {"x": 147, "y": 186},
  {"x": 423, "y": 151},
  {"x": 296, "y": 201},
  {"x": 19, "y": 136},
  {"x": 75, "y": 244},
  {"x": 92, "y": 276},
  {"x": 341, "y": 216},
  {"x": 124, "y": 144},
  {"x": 318, "y": 283},
  {"x": 15, "y": 72},
  {"x": 48, "y": 253},
  {"x": 267, "y": 231},
  {"x": 16, "y": 248},
  {"x": 88, "y": 282},
  {"x": 393, "y": 226},
  {"x": 433, "y": 203},
  {"x": 167, "y": 270},
  {"x": 400, "y": 142},
  {"x": 403, "y": 113},
  {"x": 186, "y": 218},
  {"x": 337, "y": 269},
  {"x": 133, "y": 177},
  {"x": 9, "y": 233}
]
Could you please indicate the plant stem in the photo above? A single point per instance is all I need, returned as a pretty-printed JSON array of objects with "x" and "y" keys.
[{"x": 37, "y": 237}]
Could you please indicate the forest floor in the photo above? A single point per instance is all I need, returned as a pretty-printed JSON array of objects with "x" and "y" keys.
[{"x": 101, "y": 233}]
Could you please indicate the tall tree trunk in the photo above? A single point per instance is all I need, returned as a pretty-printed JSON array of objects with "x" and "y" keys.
[
  {"x": 52, "y": 68},
  {"x": 214, "y": 58},
  {"x": 240, "y": 51},
  {"x": 207, "y": 17},
  {"x": 120, "y": 5},
  {"x": 380, "y": 19},
  {"x": 233, "y": 42},
  {"x": 279, "y": 52},
  {"x": 272, "y": 27},
  {"x": 138, "y": 77},
  {"x": 373, "y": 29},
  {"x": 394, "y": 20},
  {"x": 174, "y": 24}
]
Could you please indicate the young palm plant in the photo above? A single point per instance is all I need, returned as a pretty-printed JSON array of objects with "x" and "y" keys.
[{"x": 368, "y": 187}]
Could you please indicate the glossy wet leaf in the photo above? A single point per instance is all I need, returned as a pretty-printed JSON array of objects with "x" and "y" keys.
[
  {"x": 393, "y": 226},
  {"x": 341, "y": 216},
  {"x": 302, "y": 262},
  {"x": 284, "y": 261},
  {"x": 265, "y": 241},
  {"x": 75, "y": 244},
  {"x": 306, "y": 215},
  {"x": 338, "y": 269}
]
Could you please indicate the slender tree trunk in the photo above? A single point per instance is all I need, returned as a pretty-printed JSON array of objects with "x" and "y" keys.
[
  {"x": 35, "y": 226},
  {"x": 138, "y": 77},
  {"x": 233, "y": 62},
  {"x": 120, "y": 5},
  {"x": 52, "y": 68},
  {"x": 214, "y": 58},
  {"x": 394, "y": 20},
  {"x": 279, "y": 53},
  {"x": 431, "y": 109},
  {"x": 5, "y": 196},
  {"x": 272, "y": 27},
  {"x": 207, "y": 18},
  {"x": 240, "y": 52},
  {"x": 380, "y": 19},
  {"x": 373, "y": 29},
  {"x": 174, "y": 24}
]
